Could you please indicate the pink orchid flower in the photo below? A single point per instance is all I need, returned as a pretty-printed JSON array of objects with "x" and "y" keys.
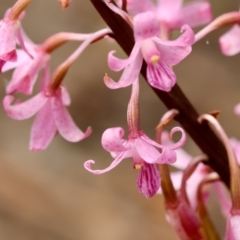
[
  {"x": 144, "y": 153},
  {"x": 173, "y": 14},
  {"x": 139, "y": 147},
  {"x": 159, "y": 55},
  {"x": 230, "y": 41},
  {"x": 52, "y": 116}
]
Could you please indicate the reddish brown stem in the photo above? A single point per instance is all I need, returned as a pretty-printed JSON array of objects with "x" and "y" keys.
[{"x": 202, "y": 134}]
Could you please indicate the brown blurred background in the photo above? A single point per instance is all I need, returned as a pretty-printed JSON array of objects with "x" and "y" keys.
[{"x": 49, "y": 195}]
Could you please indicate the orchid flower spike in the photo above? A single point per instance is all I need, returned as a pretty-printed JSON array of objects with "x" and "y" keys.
[
  {"x": 139, "y": 147},
  {"x": 10, "y": 32},
  {"x": 159, "y": 55}
]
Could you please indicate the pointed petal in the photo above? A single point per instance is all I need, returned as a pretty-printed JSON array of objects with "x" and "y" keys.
[
  {"x": 130, "y": 73},
  {"x": 27, "y": 109},
  {"x": 230, "y": 41},
  {"x": 117, "y": 64},
  {"x": 64, "y": 123},
  {"x": 161, "y": 76},
  {"x": 146, "y": 151},
  {"x": 145, "y": 25},
  {"x": 43, "y": 129},
  {"x": 112, "y": 140},
  {"x": 194, "y": 14},
  {"x": 148, "y": 180},
  {"x": 115, "y": 162}
]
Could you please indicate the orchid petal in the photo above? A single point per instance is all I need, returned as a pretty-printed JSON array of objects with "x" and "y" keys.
[
  {"x": 145, "y": 26},
  {"x": 144, "y": 137},
  {"x": 43, "y": 129},
  {"x": 24, "y": 110},
  {"x": 115, "y": 162},
  {"x": 65, "y": 96},
  {"x": 22, "y": 57},
  {"x": 8, "y": 40},
  {"x": 148, "y": 180},
  {"x": 167, "y": 9},
  {"x": 130, "y": 73},
  {"x": 196, "y": 13},
  {"x": 22, "y": 80},
  {"x": 230, "y": 41},
  {"x": 237, "y": 109},
  {"x": 183, "y": 139},
  {"x": 146, "y": 151},
  {"x": 233, "y": 228},
  {"x": 65, "y": 125},
  {"x": 112, "y": 140},
  {"x": 117, "y": 64},
  {"x": 183, "y": 158},
  {"x": 223, "y": 198},
  {"x": 161, "y": 76},
  {"x": 167, "y": 156}
]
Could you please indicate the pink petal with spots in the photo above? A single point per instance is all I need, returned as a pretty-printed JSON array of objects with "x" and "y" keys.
[
  {"x": 148, "y": 180},
  {"x": 43, "y": 129},
  {"x": 115, "y": 162},
  {"x": 22, "y": 57},
  {"x": 145, "y": 25},
  {"x": 25, "y": 76},
  {"x": 64, "y": 123},
  {"x": 112, "y": 140},
  {"x": 161, "y": 76},
  {"x": 8, "y": 40},
  {"x": 27, "y": 109},
  {"x": 230, "y": 41}
]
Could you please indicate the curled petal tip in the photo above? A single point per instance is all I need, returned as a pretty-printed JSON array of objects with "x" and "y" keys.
[{"x": 183, "y": 139}]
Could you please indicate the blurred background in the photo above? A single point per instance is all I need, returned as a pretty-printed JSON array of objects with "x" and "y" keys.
[{"x": 49, "y": 195}]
